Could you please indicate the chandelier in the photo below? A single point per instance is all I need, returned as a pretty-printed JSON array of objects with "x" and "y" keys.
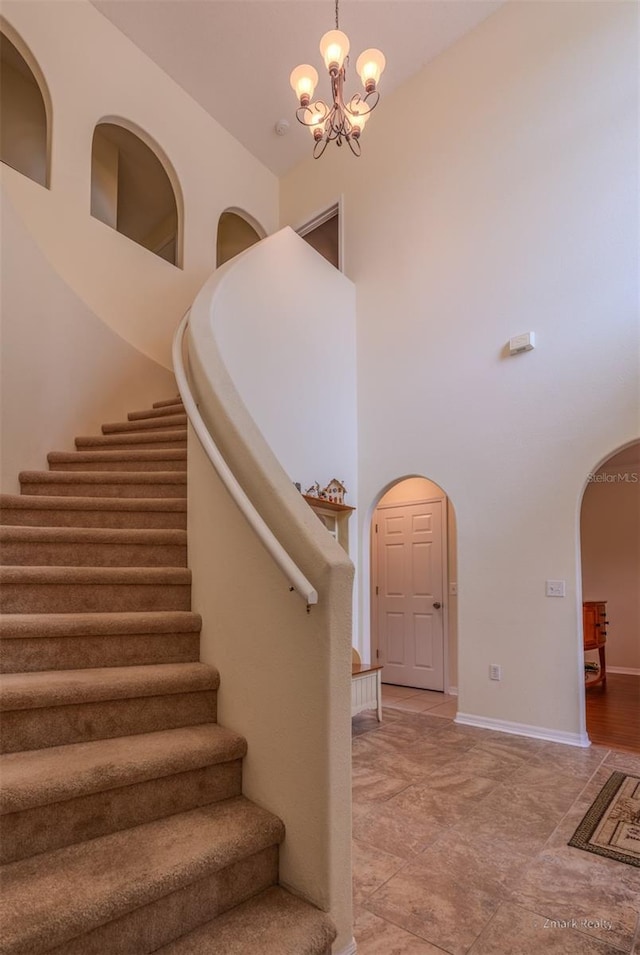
[{"x": 341, "y": 121}]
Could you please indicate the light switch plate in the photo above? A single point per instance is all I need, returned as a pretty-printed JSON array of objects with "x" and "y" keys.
[{"x": 555, "y": 588}]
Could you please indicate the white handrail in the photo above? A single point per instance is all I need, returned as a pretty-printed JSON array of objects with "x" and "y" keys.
[{"x": 297, "y": 580}]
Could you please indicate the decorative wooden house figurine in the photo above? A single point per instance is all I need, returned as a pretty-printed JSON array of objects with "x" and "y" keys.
[{"x": 335, "y": 491}]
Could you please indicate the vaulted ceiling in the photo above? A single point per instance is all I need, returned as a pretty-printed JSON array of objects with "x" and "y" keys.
[{"x": 235, "y": 56}]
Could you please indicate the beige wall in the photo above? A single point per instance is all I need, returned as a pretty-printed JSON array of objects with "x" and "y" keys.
[
  {"x": 63, "y": 372},
  {"x": 140, "y": 296},
  {"x": 290, "y": 662},
  {"x": 88, "y": 315},
  {"x": 510, "y": 204},
  {"x": 610, "y": 535},
  {"x": 421, "y": 489}
]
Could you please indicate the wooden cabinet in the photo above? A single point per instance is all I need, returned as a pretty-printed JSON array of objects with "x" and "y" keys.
[
  {"x": 594, "y": 623},
  {"x": 335, "y": 518}
]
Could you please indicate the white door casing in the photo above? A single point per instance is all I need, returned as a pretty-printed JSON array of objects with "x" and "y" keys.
[{"x": 410, "y": 577}]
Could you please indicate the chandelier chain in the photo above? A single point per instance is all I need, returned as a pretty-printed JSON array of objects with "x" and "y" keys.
[{"x": 337, "y": 23}]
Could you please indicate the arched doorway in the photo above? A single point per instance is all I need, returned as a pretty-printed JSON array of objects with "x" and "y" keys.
[
  {"x": 236, "y": 232},
  {"x": 414, "y": 587},
  {"x": 132, "y": 192},
  {"x": 25, "y": 113},
  {"x": 610, "y": 558}
]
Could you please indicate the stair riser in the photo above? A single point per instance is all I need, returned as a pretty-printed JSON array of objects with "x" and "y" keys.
[
  {"x": 44, "y": 554},
  {"x": 87, "y": 489},
  {"x": 45, "y": 828},
  {"x": 138, "y": 465},
  {"x": 83, "y": 722},
  {"x": 68, "y": 653},
  {"x": 147, "y": 928},
  {"x": 92, "y": 598},
  {"x": 47, "y": 517},
  {"x": 150, "y": 424}
]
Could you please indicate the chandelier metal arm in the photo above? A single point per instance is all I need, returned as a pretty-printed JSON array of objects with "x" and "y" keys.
[
  {"x": 338, "y": 121},
  {"x": 335, "y": 123}
]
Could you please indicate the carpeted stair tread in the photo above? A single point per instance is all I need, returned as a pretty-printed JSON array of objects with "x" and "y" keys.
[
  {"x": 40, "y": 777},
  {"x": 34, "y": 510},
  {"x": 36, "y": 625},
  {"x": 24, "y": 691},
  {"x": 150, "y": 413},
  {"x": 168, "y": 459},
  {"x": 136, "y": 484},
  {"x": 54, "y": 502},
  {"x": 92, "y": 547},
  {"x": 95, "y": 576},
  {"x": 92, "y": 535},
  {"x": 61, "y": 589},
  {"x": 167, "y": 402},
  {"x": 54, "y": 897},
  {"x": 273, "y": 923},
  {"x": 164, "y": 423},
  {"x": 161, "y": 439}
]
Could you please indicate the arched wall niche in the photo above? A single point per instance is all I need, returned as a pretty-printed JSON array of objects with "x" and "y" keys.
[
  {"x": 26, "y": 111},
  {"x": 135, "y": 188},
  {"x": 237, "y": 231}
]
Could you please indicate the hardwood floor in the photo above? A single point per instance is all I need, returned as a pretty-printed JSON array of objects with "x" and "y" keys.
[{"x": 613, "y": 714}]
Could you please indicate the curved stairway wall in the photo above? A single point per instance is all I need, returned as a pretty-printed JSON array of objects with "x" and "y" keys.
[{"x": 256, "y": 334}]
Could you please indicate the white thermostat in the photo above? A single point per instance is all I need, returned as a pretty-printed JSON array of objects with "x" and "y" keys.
[{"x": 521, "y": 343}]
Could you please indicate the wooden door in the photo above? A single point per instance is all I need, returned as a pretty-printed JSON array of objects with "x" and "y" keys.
[{"x": 409, "y": 595}]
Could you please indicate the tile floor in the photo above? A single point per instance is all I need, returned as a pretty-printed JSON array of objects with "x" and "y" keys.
[{"x": 460, "y": 840}]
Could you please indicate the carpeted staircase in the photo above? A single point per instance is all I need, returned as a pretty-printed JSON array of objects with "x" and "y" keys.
[{"x": 124, "y": 830}]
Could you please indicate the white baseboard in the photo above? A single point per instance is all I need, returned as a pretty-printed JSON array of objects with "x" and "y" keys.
[
  {"x": 524, "y": 729},
  {"x": 623, "y": 670},
  {"x": 351, "y": 949},
  {"x": 453, "y": 691}
]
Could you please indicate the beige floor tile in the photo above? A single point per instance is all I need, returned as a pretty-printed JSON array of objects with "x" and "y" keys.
[
  {"x": 485, "y": 862},
  {"x": 447, "y": 797},
  {"x": 364, "y": 723},
  {"x": 496, "y": 812},
  {"x": 371, "y": 785},
  {"x": 372, "y": 867},
  {"x": 571, "y": 760},
  {"x": 444, "y": 710},
  {"x": 405, "y": 832},
  {"x": 434, "y": 907},
  {"x": 418, "y": 704},
  {"x": 545, "y": 787},
  {"x": 376, "y": 936},
  {"x": 392, "y": 692},
  {"x": 623, "y": 762},
  {"x": 488, "y": 763},
  {"x": 569, "y": 883},
  {"x": 515, "y": 930}
]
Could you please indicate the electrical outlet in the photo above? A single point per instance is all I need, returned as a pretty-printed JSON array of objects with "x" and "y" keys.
[
  {"x": 495, "y": 671},
  {"x": 555, "y": 588}
]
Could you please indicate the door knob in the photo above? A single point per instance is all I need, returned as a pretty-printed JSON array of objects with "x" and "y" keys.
[{"x": 437, "y": 605}]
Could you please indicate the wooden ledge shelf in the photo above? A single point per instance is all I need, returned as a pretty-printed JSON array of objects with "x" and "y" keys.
[{"x": 321, "y": 502}]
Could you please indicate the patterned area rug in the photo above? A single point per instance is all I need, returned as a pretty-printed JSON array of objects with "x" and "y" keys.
[{"x": 611, "y": 827}]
